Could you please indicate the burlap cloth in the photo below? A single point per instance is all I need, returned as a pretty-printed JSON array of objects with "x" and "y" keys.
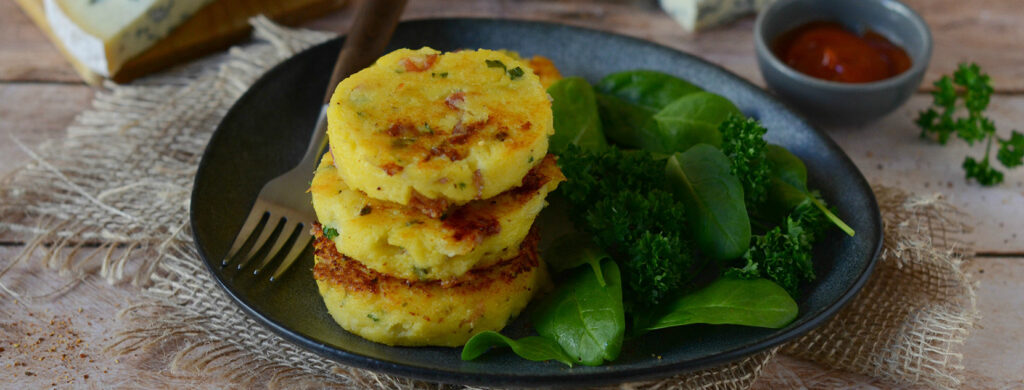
[{"x": 114, "y": 194}]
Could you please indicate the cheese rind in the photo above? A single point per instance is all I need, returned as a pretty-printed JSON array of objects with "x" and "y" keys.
[
  {"x": 104, "y": 34},
  {"x": 694, "y": 15}
]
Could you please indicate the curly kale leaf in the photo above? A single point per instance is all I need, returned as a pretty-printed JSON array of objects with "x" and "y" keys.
[
  {"x": 620, "y": 198},
  {"x": 783, "y": 254},
  {"x": 743, "y": 142}
]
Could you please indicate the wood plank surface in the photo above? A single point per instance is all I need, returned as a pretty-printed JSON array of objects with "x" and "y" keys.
[
  {"x": 890, "y": 152},
  {"x": 25, "y": 53},
  {"x": 994, "y": 352},
  {"x": 33, "y": 113},
  {"x": 59, "y": 341},
  {"x": 988, "y": 32}
]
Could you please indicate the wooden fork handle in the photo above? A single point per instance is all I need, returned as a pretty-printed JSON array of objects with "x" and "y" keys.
[{"x": 371, "y": 31}]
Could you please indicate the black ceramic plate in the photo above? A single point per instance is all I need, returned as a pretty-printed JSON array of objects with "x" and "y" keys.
[{"x": 266, "y": 131}]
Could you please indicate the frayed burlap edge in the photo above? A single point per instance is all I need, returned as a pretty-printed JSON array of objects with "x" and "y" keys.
[
  {"x": 116, "y": 192},
  {"x": 909, "y": 322}
]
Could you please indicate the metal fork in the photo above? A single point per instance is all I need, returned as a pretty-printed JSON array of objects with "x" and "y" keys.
[{"x": 283, "y": 202}]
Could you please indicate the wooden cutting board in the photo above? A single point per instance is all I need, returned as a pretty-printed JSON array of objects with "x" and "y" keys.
[{"x": 215, "y": 27}]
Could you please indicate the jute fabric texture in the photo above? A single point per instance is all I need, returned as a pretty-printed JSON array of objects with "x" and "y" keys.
[{"x": 112, "y": 199}]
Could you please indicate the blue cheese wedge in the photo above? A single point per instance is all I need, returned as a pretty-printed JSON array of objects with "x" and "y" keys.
[
  {"x": 694, "y": 15},
  {"x": 104, "y": 34}
]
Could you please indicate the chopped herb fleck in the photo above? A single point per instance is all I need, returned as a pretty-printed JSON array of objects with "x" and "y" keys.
[
  {"x": 463, "y": 185},
  {"x": 442, "y": 75},
  {"x": 403, "y": 142},
  {"x": 373, "y": 317},
  {"x": 330, "y": 233},
  {"x": 421, "y": 272},
  {"x": 426, "y": 128},
  {"x": 496, "y": 64},
  {"x": 414, "y": 222},
  {"x": 516, "y": 73},
  {"x": 366, "y": 210},
  {"x": 530, "y": 160}
]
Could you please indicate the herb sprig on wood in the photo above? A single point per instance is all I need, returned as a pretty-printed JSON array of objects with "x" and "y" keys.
[{"x": 971, "y": 89}]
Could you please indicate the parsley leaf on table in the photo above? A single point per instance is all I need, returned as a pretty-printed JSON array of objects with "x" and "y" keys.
[
  {"x": 1011, "y": 151},
  {"x": 974, "y": 89}
]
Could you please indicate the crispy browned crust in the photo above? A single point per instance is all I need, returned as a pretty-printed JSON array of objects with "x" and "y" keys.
[
  {"x": 472, "y": 221},
  {"x": 545, "y": 70},
  {"x": 433, "y": 208},
  {"x": 339, "y": 270}
]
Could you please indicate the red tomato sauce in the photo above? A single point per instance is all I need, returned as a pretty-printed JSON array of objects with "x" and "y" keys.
[{"x": 828, "y": 51}]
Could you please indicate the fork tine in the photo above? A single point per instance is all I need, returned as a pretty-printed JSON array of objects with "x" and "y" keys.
[
  {"x": 300, "y": 245},
  {"x": 268, "y": 229},
  {"x": 251, "y": 222},
  {"x": 286, "y": 234}
]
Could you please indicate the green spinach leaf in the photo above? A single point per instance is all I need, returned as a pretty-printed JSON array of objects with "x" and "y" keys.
[
  {"x": 713, "y": 199},
  {"x": 733, "y": 301},
  {"x": 576, "y": 120},
  {"x": 788, "y": 188},
  {"x": 533, "y": 348},
  {"x": 694, "y": 119},
  {"x": 628, "y": 124},
  {"x": 629, "y": 102},
  {"x": 659, "y": 112},
  {"x": 687, "y": 121},
  {"x": 575, "y": 249},
  {"x": 787, "y": 166},
  {"x": 585, "y": 318},
  {"x": 646, "y": 88}
]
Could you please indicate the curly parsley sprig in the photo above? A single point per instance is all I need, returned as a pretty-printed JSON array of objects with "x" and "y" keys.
[
  {"x": 621, "y": 198},
  {"x": 974, "y": 89},
  {"x": 743, "y": 142},
  {"x": 784, "y": 253}
]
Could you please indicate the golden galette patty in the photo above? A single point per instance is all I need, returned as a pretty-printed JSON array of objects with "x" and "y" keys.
[
  {"x": 408, "y": 243},
  {"x": 452, "y": 127},
  {"x": 395, "y": 311}
]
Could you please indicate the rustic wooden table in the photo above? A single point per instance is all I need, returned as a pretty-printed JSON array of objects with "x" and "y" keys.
[{"x": 40, "y": 95}]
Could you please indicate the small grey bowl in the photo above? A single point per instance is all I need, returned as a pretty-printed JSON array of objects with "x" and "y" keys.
[{"x": 833, "y": 102}]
